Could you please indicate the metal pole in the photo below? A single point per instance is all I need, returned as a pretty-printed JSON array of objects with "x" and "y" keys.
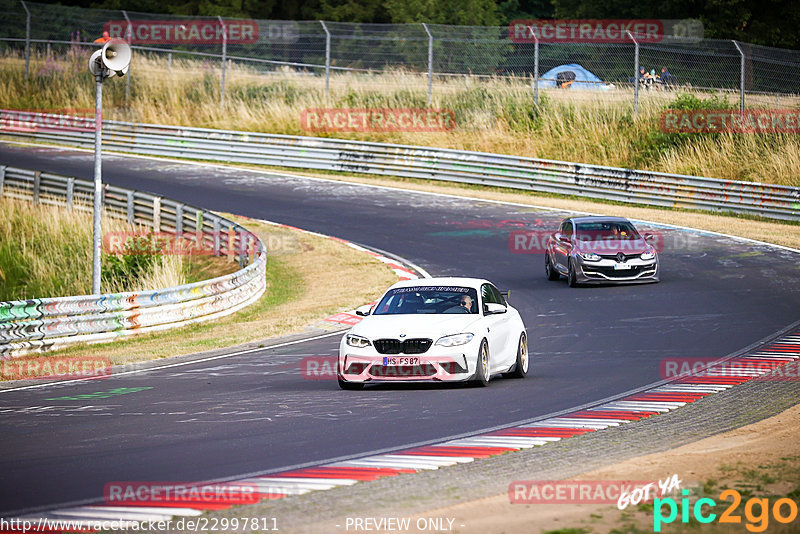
[
  {"x": 536, "y": 70},
  {"x": 224, "y": 57},
  {"x": 27, "y": 39},
  {"x": 98, "y": 182},
  {"x": 128, "y": 32},
  {"x": 430, "y": 62},
  {"x": 327, "y": 57},
  {"x": 741, "y": 77},
  {"x": 635, "y": 76}
]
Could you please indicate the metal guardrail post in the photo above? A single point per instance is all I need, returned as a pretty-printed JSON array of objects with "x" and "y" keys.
[
  {"x": 156, "y": 214},
  {"x": 37, "y": 185},
  {"x": 224, "y": 61},
  {"x": 430, "y": 62},
  {"x": 2, "y": 178},
  {"x": 129, "y": 207},
  {"x": 129, "y": 33},
  {"x": 635, "y": 75},
  {"x": 169, "y": 62},
  {"x": 216, "y": 236},
  {"x": 179, "y": 218},
  {"x": 327, "y": 57},
  {"x": 741, "y": 76},
  {"x": 27, "y": 39},
  {"x": 70, "y": 192}
]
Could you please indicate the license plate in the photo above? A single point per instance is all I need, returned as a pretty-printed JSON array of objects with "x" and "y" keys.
[
  {"x": 621, "y": 266},
  {"x": 400, "y": 360}
]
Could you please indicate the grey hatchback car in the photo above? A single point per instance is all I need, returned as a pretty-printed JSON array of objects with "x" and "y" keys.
[{"x": 600, "y": 250}]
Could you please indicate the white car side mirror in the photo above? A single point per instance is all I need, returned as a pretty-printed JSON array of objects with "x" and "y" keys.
[{"x": 364, "y": 310}]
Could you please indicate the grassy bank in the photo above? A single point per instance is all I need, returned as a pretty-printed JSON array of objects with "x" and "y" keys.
[
  {"x": 300, "y": 291},
  {"x": 494, "y": 115},
  {"x": 45, "y": 251}
]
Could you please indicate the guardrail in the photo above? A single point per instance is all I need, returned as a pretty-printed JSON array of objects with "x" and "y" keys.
[
  {"x": 546, "y": 176},
  {"x": 38, "y": 325}
]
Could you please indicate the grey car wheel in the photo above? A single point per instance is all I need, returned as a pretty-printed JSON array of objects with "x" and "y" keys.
[
  {"x": 572, "y": 278},
  {"x": 549, "y": 270}
]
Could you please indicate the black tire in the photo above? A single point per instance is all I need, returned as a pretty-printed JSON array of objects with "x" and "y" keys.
[
  {"x": 572, "y": 278},
  {"x": 481, "y": 377},
  {"x": 549, "y": 270},
  {"x": 349, "y": 386},
  {"x": 521, "y": 365}
]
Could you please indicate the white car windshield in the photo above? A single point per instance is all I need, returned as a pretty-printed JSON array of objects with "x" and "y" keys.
[{"x": 428, "y": 300}]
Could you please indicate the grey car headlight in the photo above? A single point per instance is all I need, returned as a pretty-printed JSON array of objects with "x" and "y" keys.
[
  {"x": 649, "y": 255},
  {"x": 454, "y": 340},
  {"x": 357, "y": 341},
  {"x": 589, "y": 256}
]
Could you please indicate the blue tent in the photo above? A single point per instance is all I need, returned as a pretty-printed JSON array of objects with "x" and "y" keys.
[{"x": 579, "y": 77}]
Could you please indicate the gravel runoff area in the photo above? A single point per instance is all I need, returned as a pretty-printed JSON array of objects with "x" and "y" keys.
[{"x": 415, "y": 494}]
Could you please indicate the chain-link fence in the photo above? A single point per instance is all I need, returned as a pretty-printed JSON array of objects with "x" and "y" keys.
[{"x": 438, "y": 52}]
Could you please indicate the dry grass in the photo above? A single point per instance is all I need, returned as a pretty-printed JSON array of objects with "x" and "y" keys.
[
  {"x": 492, "y": 114},
  {"x": 309, "y": 278},
  {"x": 45, "y": 251}
]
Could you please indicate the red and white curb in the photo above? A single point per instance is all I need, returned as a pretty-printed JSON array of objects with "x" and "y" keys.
[{"x": 664, "y": 398}]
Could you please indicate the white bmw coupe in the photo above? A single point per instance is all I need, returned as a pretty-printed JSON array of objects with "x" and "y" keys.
[{"x": 434, "y": 329}]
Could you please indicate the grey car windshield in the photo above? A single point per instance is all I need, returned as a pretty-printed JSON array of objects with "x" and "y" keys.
[
  {"x": 428, "y": 300},
  {"x": 605, "y": 230}
]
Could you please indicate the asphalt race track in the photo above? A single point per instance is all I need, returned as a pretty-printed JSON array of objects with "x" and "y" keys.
[{"x": 255, "y": 412}]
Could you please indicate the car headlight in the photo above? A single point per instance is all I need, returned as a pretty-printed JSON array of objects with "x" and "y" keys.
[
  {"x": 454, "y": 340},
  {"x": 589, "y": 256},
  {"x": 649, "y": 255},
  {"x": 357, "y": 341}
]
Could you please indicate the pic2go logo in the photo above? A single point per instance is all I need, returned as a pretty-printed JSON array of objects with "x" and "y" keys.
[{"x": 756, "y": 511}]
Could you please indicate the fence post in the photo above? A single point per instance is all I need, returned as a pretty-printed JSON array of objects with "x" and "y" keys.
[
  {"x": 27, "y": 39},
  {"x": 741, "y": 76},
  {"x": 47, "y": 56},
  {"x": 70, "y": 192},
  {"x": 128, "y": 32},
  {"x": 430, "y": 62},
  {"x": 327, "y": 57},
  {"x": 224, "y": 57},
  {"x": 635, "y": 75},
  {"x": 169, "y": 62},
  {"x": 536, "y": 70},
  {"x": 37, "y": 185},
  {"x": 2, "y": 178}
]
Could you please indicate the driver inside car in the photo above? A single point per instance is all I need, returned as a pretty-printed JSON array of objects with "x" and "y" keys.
[{"x": 466, "y": 302}]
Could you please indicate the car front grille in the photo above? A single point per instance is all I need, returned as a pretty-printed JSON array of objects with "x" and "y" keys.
[
  {"x": 400, "y": 371},
  {"x": 613, "y": 273},
  {"x": 409, "y": 346}
]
